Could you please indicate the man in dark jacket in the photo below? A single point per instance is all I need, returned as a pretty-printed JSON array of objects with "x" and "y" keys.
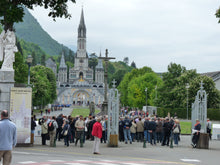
[
  {"x": 127, "y": 134},
  {"x": 152, "y": 129},
  {"x": 166, "y": 129},
  {"x": 91, "y": 123},
  {"x": 196, "y": 133},
  {"x": 59, "y": 123},
  {"x": 146, "y": 129},
  {"x": 121, "y": 128}
]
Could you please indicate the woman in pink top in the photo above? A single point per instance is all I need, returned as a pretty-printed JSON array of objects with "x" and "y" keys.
[{"x": 97, "y": 133}]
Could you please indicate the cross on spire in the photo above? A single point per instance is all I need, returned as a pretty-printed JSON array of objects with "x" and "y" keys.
[
  {"x": 201, "y": 85},
  {"x": 114, "y": 83}
]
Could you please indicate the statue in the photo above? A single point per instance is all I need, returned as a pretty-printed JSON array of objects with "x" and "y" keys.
[
  {"x": 92, "y": 108},
  {"x": 7, "y": 50}
]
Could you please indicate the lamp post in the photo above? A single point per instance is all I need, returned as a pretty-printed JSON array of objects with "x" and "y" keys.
[
  {"x": 187, "y": 88},
  {"x": 29, "y": 61},
  {"x": 146, "y": 99}
]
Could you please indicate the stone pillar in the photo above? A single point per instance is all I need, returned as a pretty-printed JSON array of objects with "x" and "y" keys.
[{"x": 6, "y": 82}]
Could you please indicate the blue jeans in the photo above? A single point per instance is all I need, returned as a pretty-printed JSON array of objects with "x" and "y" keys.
[
  {"x": 147, "y": 136},
  {"x": 175, "y": 136},
  {"x": 159, "y": 137},
  {"x": 133, "y": 136},
  {"x": 153, "y": 135},
  {"x": 127, "y": 135},
  {"x": 66, "y": 140}
]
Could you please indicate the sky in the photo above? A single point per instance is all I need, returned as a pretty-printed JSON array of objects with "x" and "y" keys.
[{"x": 151, "y": 33}]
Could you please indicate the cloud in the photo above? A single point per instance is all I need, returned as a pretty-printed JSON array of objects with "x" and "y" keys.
[{"x": 150, "y": 32}]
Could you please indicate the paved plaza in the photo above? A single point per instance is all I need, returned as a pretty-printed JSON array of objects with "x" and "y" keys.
[{"x": 125, "y": 154}]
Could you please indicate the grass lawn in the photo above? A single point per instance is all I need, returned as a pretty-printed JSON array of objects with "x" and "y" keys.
[
  {"x": 185, "y": 127},
  {"x": 82, "y": 111}
]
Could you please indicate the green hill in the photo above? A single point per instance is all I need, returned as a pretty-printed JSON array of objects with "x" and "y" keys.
[{"x": 30, "y": 31}]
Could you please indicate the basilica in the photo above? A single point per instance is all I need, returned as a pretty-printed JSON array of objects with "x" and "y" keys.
[{"x": 79, "y": 86}]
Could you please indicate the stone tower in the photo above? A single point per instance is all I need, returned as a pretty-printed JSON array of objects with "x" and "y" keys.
[
  {"x": 81, "y": 69},
  {"x": 62, "y": 74}
]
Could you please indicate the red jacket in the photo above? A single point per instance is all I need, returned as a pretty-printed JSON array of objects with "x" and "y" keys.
[{"x": 97, "y": 130}]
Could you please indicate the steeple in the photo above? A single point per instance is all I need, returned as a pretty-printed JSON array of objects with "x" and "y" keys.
[
  {"x": 62, "y": 62},
  {"x": 82, "y": 27}
]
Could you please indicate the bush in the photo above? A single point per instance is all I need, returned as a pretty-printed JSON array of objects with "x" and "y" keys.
[{"x": 212, "y": 114}]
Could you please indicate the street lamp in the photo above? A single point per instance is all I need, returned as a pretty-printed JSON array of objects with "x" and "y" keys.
[
  {"x": 29, "y": 61},
  {"x": 146, "y": 99},
  {"x": 187, "y": 88}
]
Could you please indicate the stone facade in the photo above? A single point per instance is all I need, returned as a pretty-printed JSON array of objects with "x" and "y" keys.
[
  {"x": 62, "y": 74},
  {"x": 80, "y": 87}
]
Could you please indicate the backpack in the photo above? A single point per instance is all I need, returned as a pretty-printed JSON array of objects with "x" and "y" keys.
[{"x": 50, "y": 126}]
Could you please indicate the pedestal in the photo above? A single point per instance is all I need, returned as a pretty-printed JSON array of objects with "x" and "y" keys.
[
  {"x": 6, "y": 82},
  {"x": 203, "y": 142},
  {"x": 113, "y": 141}
]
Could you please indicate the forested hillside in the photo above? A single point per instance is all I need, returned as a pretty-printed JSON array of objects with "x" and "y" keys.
[{"x": 30, "y": 31}]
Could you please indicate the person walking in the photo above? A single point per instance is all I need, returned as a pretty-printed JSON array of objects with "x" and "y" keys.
[
  {"x": 97, "y": 133},
  {"x": 44, "y": 131},
  {"x": 140, "y": 130},
  {"x": 166, "y": 129},
  {"x": 209, "y": 128},
  {"x": 133, "y": 130},
  {"x": 59, "y": 129},
  {"x": 80, "y": 126},
  {"x": 66, "y": 133},
  {"x": 176, "y": 131},
  {"x": 196, "y": 133},
  {"x": 146, "y": 129},
  {"x": 8, "y": 138},
  {"x": 103, "y": 122},
  {"x": 52, "y": 127},
  {"x": 33, "y": 125},
  {"x": 121, "y": 129},
  {"x": 159, "y": 130},
  {"x": 127, "y": 133},
  {"x": 152, "y": 129}
]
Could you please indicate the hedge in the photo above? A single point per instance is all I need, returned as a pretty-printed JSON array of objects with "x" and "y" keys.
[{"x": 213, "y": 114}]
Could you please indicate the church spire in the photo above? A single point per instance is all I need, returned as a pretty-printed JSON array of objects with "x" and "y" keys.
[
  {"x": 62, "y": 62},
  {"x": 82, "y": 26}
]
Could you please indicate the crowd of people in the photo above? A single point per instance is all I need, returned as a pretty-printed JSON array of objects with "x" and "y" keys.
[
  {"x": 72, "y": 130},
  {"x": 153, "y": 130}
]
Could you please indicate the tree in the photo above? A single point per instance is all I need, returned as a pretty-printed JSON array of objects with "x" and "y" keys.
[
  {"x": 133, "y": 64},
  {"x": 126, "y": 60},
  {"x": 123, "y": 87},
  {"x": 43, "y": 59},
  {"x": 173, "y": 92},
  {"x": 213, "y": 98},
  {"x": 20, "y": 68},
  {"x": 34, "y": 62},
  {"x": 217, "y": 14},
  {"x": 12, "y": 11},
  {"x": 19, "y": 47},
  {"x": 137, "y": 86},
  {"x": 118, "y": 76},
  {"x": 44, "y": 85}
]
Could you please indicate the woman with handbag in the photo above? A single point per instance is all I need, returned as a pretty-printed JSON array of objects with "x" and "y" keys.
[
  {"x": 176, "y": 131},
  {"x": 66, "y": 133}
]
